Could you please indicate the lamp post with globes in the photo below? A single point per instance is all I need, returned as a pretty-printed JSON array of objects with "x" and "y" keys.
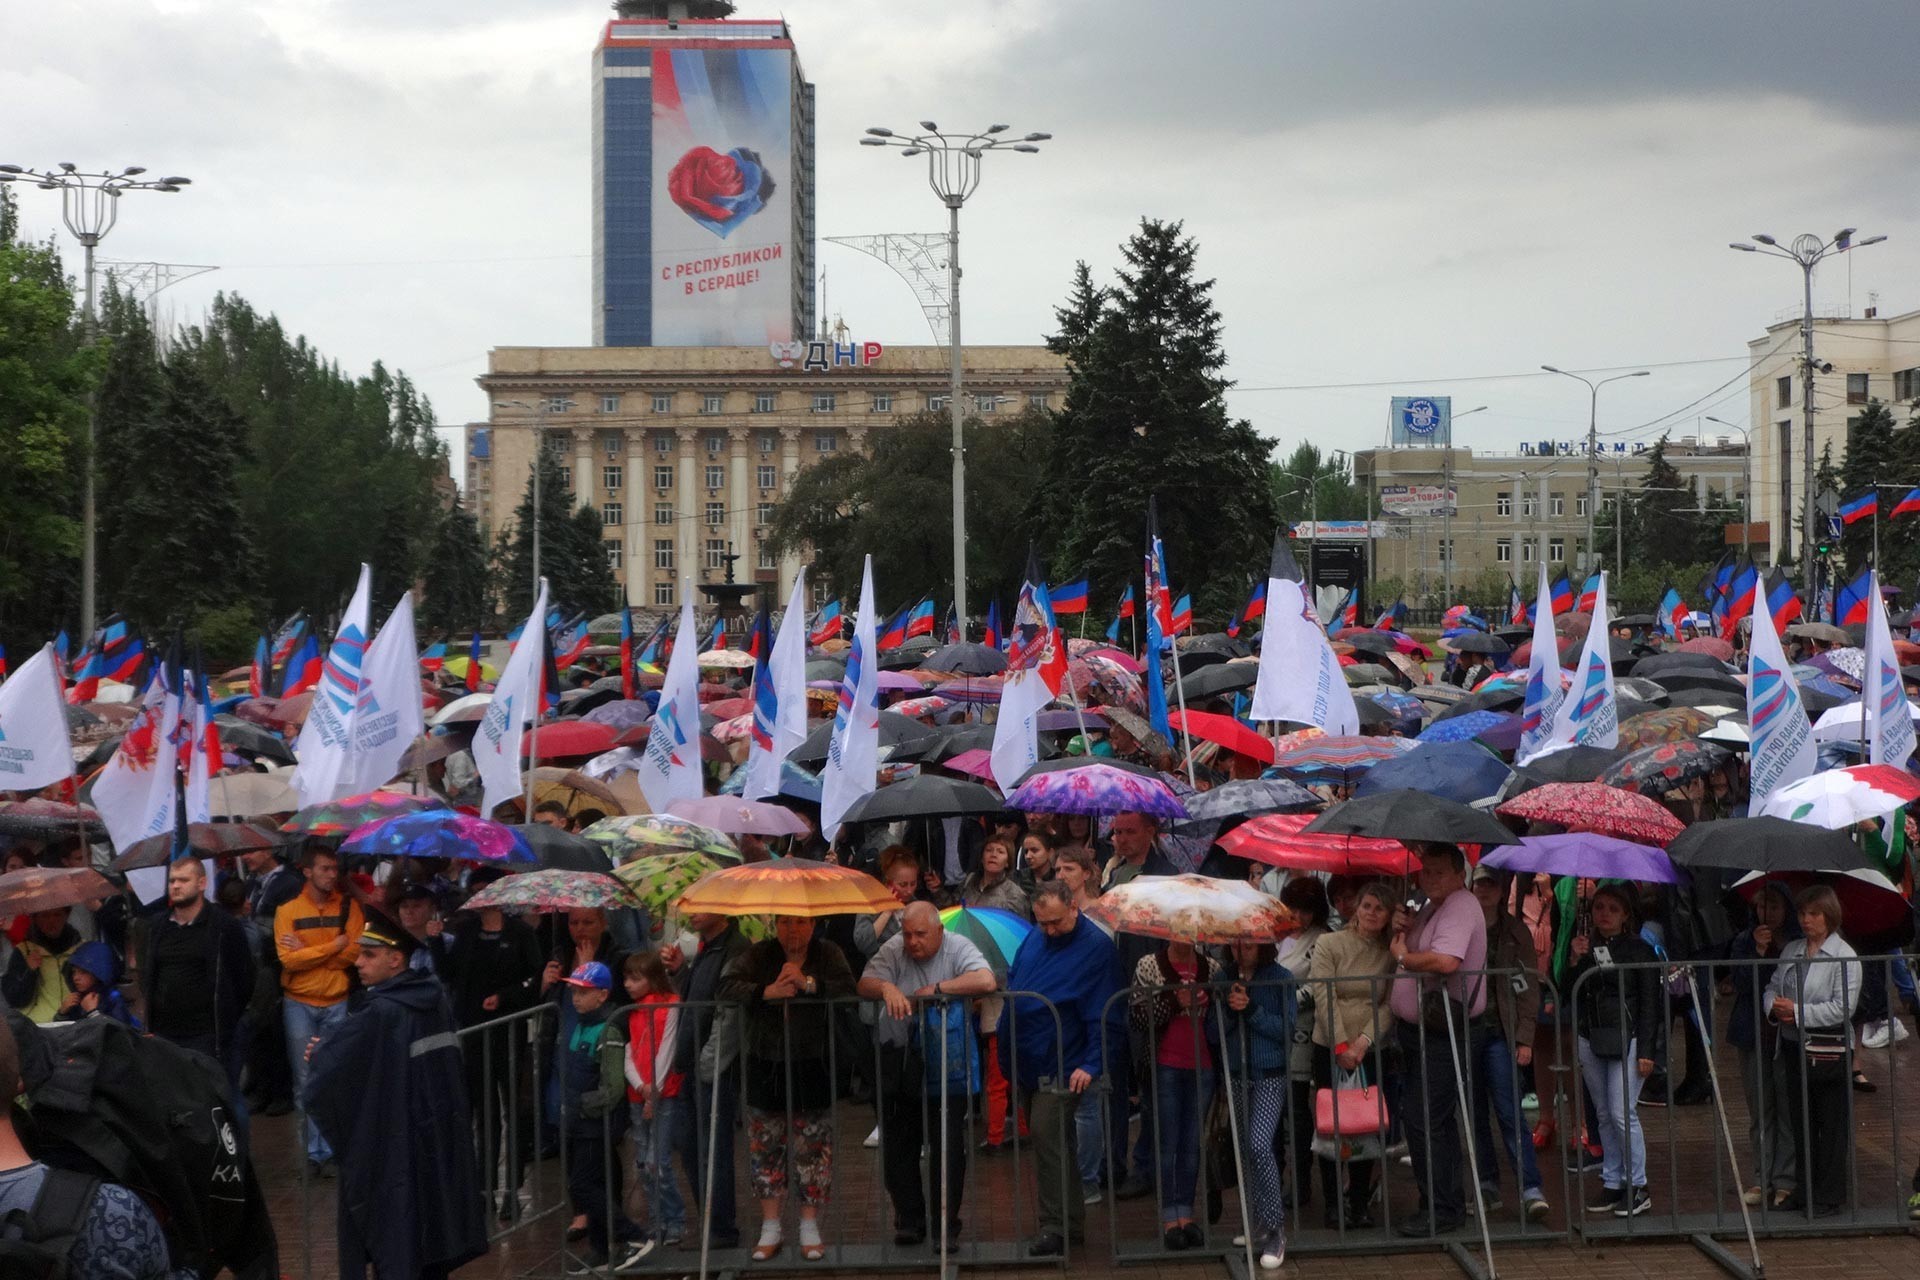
[
  {"x": 953, "y": 171},
  {"x": 1806, "y": 252},
  {"x": 89, "y": 205},
  {"x": 547, "y": 405},
  {"x": 1593, "y": 447}
]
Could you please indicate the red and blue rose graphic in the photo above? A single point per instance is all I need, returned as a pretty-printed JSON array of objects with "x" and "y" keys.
[{"x": 720, "y": 191}]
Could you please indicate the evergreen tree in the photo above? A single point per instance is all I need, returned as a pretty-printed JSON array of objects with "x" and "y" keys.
[
  {"x": 1309, "y": 482},
  {"x": 458, "y": 578},
  {"x": 1146, "y": 416},
  {"x": 1873, "y": 464},
  {"x": 573, "y": 557}
]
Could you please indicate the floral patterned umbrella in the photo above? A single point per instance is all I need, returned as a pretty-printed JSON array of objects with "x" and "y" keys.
[
  {"x": 1599, "y": 808},
  {"x": 1333, "y": 758},
  {"x": 339, "y": 817},
  {"x": 1096, "y": 788},
  {"x": 439, "y": 833},
  {"x": 788, "y": 887},
  {"x": 1841, "y": 798},
  {"x": 1669, "y": 724},
  {"x": 1190, "y": 908},
  {"x": 736, "y": 729},
  {"x": 625, "y": 837},
  {"x": 660, "y": 880},
  {"x": 1097, "y": 680},
  {"x": 1661, "y": 768},
  {"x": 553, "y": 891}
]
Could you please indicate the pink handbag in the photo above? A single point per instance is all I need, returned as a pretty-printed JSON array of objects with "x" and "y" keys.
[{"x": 1358, "y": 1107}]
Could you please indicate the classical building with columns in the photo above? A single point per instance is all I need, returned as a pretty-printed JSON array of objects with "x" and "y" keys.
[{"x": 685, "y": 451}]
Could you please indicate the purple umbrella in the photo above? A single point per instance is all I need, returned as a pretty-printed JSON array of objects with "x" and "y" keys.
[
  {"x": 734, "y": 816},
  {"x": 439, "y": 833},
  {"x": 1096, "y": 789},
  {"x": 1583, "y": 853},
  {"x": 899, "y": 682},
  {"x": 1053, "y": 721}
]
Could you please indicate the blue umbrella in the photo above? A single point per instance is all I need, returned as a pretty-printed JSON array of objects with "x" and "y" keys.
[
  {"x": 795, "y": 783},
  {"x": 1463, "y": 775},
  {"x": 1406, "y": 710},
  {"x": 1465, "y": 728}
]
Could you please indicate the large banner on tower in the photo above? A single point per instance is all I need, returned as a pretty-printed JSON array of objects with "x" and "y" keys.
[{"x": 722, "y": 197}]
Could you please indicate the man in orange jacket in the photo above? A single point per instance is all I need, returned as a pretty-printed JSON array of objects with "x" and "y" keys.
[{"x": 317, "y": 935}]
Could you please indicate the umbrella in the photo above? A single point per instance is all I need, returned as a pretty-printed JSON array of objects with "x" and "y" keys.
[
  {"x": 926, "y": 796},
  {"x": 1095, "y": 788},
  {"x": 250, "y": 795},
  {"x": 788, "y": 887},
  {"x": 561, "y": 739},
  {"x": 32, "y": 889},
  {"x": 1371, "y": 713},
  {"x": 1403, "y": 709},
  {"x": 833, "y": 669},
  {"x": 1190, "y": 908},
  {"x": 1648, "y": 691},
  {"x": 1279, "y": 840},
  {"x": 951, "y": 740},
  {"x": 1841, "y": 798},
  {"x": 1137, "y": 727},
  {"x": 1666, "y": 663},
  {"x": 338, "y": 817},
  {"x": 1443, "y": 694},
  {"x": 1572, "y": 764},
  {"x": 976, "y": 762},
  {"x": 1466, "y": 728},
  {"x": 734, "y": 817},
  {"x": 1370, "y": 640},
  {"x": 1729, "y": 733},
  {"x": 1412, "y": 815},
  {"x": 1719, "y": 682},
  {"x": 1369, "y": 673},
  {"x": 890, "y": 682},
  {"x": 966, "y": 658},
  {"x": 39, "y": 819},
  {"x": 1667, "y": 765},
  {"x": 557, "y": 850},
  {"x": 728, "y": 659},
  {"x": 1224, "y": 731},
  {"x": 1669, "y": 725},
  {"x": 1585, "y": 853},
  {"x": 895, "y": 730},
  {"x": 211, "y": 839},
  {"x": 439, "y": 833},
  {"x": 426, "y": 750},
  {"x": 457, "y": 666},
  {"x": 1714, "y": 646},
  {"x": 1407, "y": 666},
  {"x": 1063, "y": 721},
  {"x": 1502, "y": 694},
  {"x": 1098, "y": 681},
  {"x": 549, "y": 890},
  {"x": 1596, "y": 807},
  {"x": 1766, "y": 844},
  {"x": 1225, "y": 677},
  {"x": 621, "y": 714},
  {"x": 1475, "y": 642},
  {"x": 932, "y": 704},
  {"x": 1850, "y": 662},
  {"x": 572, "y": 789},
  {"x": 795, "y": 782},
  {"x": 997, "y": 933},
  {"x": 737, "y": 729},
  {"x": 467, "y": 710},
  {"x": 660, "y": 880},
  {"x": 1459, "y": 773},
  {"x": 1245, "y": 797},
  {"x": 1077, "y": 762},
  {"x": 1843, "y": 723},
  {"x": 622, "y": 837},
  {"x": 244, "y": 739},
  {"x": 729, "y": 708},
  {"x": 1334, "y": 758},
  {"x": 1878, "y": 918}
]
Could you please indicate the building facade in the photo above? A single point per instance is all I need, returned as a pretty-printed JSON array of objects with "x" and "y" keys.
[
  {"x": 685, "y": 451},
  {"x": 1452, "y": 511},
  {"x": 1872, "y": 357},
  {"x": 703, "y": 185}
]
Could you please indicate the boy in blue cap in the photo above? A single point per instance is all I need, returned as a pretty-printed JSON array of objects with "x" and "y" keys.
[{"x": 593, "y": 1093}]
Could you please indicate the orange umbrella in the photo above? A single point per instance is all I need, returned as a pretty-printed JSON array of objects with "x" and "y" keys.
[{"x": 787, "y": 887}]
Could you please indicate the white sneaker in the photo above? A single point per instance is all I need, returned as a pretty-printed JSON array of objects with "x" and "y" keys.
[
  {"x": 1876, "y": 1035},
  {"x": 1900, "y": 1031},
  {"x": 1239, "y": 1242},
  {"x": 634, "y": 1256},
  {"x": 1275, "y": 1256},
  {"x": 873, "y": 1139}
]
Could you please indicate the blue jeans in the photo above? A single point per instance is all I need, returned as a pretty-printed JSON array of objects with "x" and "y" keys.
[
  {"x": 1614, "y": 1086},
  {"x": 1180, "y": 1097},
  {"x": 1088, "y": 1120},
  {"x": 653, "y": 1162},
  {"x": 304, "y": 1022},
  {"x": 1499, "y": 1094}
]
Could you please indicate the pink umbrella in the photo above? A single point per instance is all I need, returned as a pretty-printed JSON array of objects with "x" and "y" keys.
[
  {"x": 734, "y": 816},
  {"x": 899, "y": 682},
  {"x": 976, "y": 762}
]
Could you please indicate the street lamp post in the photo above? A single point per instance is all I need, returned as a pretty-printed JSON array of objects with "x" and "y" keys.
[
  {"x": 549, "y": 404},
  {"x": 1593, "y": 447},
  {"x": 1446, "y": 508},
  {"x": 89, "y": 205},
  {"x": 1746, "y": 482},
  {"x": 1806, "y": 252},
  {"x": 953, "y": 171}
]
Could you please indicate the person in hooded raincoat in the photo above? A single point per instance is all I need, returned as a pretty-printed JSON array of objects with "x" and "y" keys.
[{"x": 388, "y": 1092}]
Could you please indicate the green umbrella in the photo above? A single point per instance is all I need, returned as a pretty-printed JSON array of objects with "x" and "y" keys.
[{"x": 637, "y": 834}]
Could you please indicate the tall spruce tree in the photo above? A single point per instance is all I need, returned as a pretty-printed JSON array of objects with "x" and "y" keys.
[
  {"x": 1876, "y": 463},
  {"x": 573, "y": 556},
  {"x": 458, "y": 578},
  {"x": 1146, "y": 416}
]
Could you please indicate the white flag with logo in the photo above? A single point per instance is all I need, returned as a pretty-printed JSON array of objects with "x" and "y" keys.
[
  {"x": 780, "y": 710},
  {"x": 1546, "y": 684},
  {"x": 853, "y": 756},
  {"x": 1589, "y": 715},
  {"x": 516, "y": 698},
  {"x": 1890, "y": 736},
  {"x": 670, "y": 766},
  {"x": 325, "y": 745},
  {"x": 1299, "y": 678},
  {"x": 135, "y": 792},
  {"x": 386, "y": 718},
  {"x": 1780, "y": 740},
  {"x": 35, "y": 750}
]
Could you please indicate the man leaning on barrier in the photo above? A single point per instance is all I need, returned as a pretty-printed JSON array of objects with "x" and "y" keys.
[
  {"x": 1073, "y": 969},
  {"x": 918, "y": 1046}
]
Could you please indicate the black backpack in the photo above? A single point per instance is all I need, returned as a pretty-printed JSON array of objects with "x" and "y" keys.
[
  {"x": 155, "y": 1118},
  {"x": 37, "y": 1243}
]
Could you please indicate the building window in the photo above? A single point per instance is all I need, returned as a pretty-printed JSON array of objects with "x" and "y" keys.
[
  {"x": 1503, "y": 551},
  {"x": 663, "y": 592},
  {"x": 609, "y": 404},
  {"x": 823, "y": 401},
  {"x": 716, "y": 553},
  {"x": 825, "y": 442},
  {"x": 716, "y": 514},
  {"x": 1557, "y": 505},
  {"x": 712, "y": 402},
  {"x": 766, "y": 560},
  {"x": 713, "y": 443},
  {"x": 1906, "y": 384},
  {"x": 763, "y": 402},
  {"x": 1036, "y": 399},
  {"x": 764, "y": 441},
  {"x": 663, "y": 553},
  {"x": 616, "y": 554},
  {"x": 716, "y": 476},
  {"x": 663, "y": 402},
  {"x": 1529, "y": 505},
  {"x": 662, "y": 443},
  {"x": 985, "y": 404},
  {"x": 610, "y": 444},
  {"x": 1856, "y": 388},
  {"x": 763, "y": 514},
  {"x": 558, "y": 404},
  {"x": 1580, "y": 505},
  {"x": 882, "y": 402},
  {"x": 610, "y": 513},
  {"x": 663, "y": 478},
  {"x": 1446, "y": 550},
  {"x": 1786, "y": 478},
  {"x": 1783, "y": 391},
  {"x": 1503, "y": 504},
  {"x": 1556, "y": 550},
  {"x": 769, "y": 475},
  {"x": 1526, "y": 551},
  {"x": 663, "y": 513},
  {"x": 610, "y": 476},
  {"x": 936, "y": 404}
]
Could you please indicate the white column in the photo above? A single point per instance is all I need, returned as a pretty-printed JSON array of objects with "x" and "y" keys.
[
  {"x": 688, "y": 508},
  {"x": 635, "y": 489},
  {"x": 789, "y": 469},
  {"x": 583, "y": 486},
  {"x": 741, "y": 497}
]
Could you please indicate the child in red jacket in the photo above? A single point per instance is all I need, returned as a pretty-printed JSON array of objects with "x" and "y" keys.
[{"x": 654, "y": 1098}]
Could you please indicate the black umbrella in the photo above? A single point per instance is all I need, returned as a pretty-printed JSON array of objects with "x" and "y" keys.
[
  {"x": 1244, "y": 799},
  {"x": 1816, "y": 700},
  {"x": 1223, "y": 677},
  {"x": 1635, "y": 620},
  {"x": 557, "y": 850},
  {"x": 1370, "y": 712},
  {"x": 1504, "y": 697},
  {"x": 1718, "y": 681},
  {"x": 1412, "y": 815},
  {"x": 1701, "y": 697},
  {"x": 1477, "y": 642},
  {"x": 587, "y": 699},
  {"x": 1665, "y": 663},
  {"x": 896, "y": 730},
  {"x": 244, "y": 739},
  {"x": 966, "y": 658},
  {"x": 1572, "y": 764},
  {"x": 911, "y": 654},
  {"x": 927, "y": 796},
  {"x": 826, "y": 669},
  {"x": 1767, "y": 844},
  {"x": 80, "y": 717},
  {"x": 1636, "y": 687},
  {"x": 1372, "y": 642},
  {"x": 1514, "y": 635},
  {"x": 1214, "y": 642}
]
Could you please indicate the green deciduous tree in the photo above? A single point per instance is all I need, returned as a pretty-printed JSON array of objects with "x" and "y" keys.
[{"x": 1309, "y": 482}]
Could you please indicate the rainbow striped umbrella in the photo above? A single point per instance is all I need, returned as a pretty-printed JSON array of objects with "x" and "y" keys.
[
  {"x": 1336, "y": 758},
  {"x": 997, "y": 933}
]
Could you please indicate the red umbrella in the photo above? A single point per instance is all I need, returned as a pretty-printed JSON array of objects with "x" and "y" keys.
[
  {"x": 728, "y": 708},
  {"x": 1226, "y": 732},
  {"x": 1596, "y": 807},
  {"x": 1713, "y": 646},
  {"x": 1569, "y": 645},
  {"x": 1276, "y": 840},
  {"x": 564, "y": 738}
]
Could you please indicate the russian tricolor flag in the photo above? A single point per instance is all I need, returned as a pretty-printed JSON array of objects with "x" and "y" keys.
[
  {"x": 1071, "y": 597},
  {"x": 1867, "y": 504}
]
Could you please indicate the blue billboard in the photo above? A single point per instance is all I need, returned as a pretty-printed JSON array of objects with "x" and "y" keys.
[{"x": 1422, "y": 420}]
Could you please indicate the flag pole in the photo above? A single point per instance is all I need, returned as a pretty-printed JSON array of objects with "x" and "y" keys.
[{"x": 1181, "y": 693}]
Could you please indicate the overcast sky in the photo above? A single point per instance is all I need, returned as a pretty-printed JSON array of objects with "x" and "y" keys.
[{"x": 1404, "y": 196}]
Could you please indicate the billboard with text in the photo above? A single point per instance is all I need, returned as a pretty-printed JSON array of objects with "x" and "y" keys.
[{"x": 1421, "y": 420}]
